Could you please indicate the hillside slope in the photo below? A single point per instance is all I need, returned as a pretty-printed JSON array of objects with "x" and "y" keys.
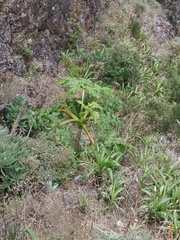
[{"x": 90, "y": 115}]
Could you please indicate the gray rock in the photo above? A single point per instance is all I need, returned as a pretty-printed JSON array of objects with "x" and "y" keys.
[{"x": 42, "y": 26}]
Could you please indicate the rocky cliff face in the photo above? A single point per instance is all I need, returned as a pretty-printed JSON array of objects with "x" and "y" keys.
[
  {"x": 172, "y": 10},
  {"x": 36, "y": 30},
  {"x": 33, "y": 32}
]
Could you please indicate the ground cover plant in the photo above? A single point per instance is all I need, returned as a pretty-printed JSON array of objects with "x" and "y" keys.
[
  {"x": 103, "y": 162},
  {"x": 13, "y": 151}
]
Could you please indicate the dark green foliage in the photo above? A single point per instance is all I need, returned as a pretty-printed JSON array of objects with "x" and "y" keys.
[
  {"x": 65, "y": 136},
  {"x": 66, "y": 171},
  {"x": 174, "y": 88},
  {"x": 155, "y": 107},
  {"x": 161, "y": 1},
  {"x": 135, "y": 28},
  {"x": 46, "y": 124},
  {"x": 171, "y": 121},
  {"x": 13, "y": 150},
  {"x": 108, "y": 114},
  {"x": 31, "y": 119},
  {"x": 74, "y": 37},
  {"x": 121, "y": 65},
  {"x": 176, "y": 111},
  {"x": 106, "y": 128}
]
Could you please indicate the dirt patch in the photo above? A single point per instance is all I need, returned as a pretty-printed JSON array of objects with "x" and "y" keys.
[{"x": 63, "y": 213}]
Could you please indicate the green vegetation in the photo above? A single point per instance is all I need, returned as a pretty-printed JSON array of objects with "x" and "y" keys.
[
  {"x": 13, "y": 152},
  {"x": 115, "y": 191},
  {"x": 87, "y": 113},
  {"x": 120, "y": 65},
  {"x": 109, "y": 150},
  {"x": 27, "y": 52},
  {"x": 100, "y": 161}
]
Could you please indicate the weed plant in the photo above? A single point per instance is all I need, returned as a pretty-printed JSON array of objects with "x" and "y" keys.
[
  {"x": 100, "y": 160},
  {"x": 76, "y": 85},
  {"x": 14, "y": 231},
  {"x": 27, "y": 52},
  {"x": 74, "y": 37},
  {"x": 83, "y": 201},
  {"x": 139, "y": 8}
]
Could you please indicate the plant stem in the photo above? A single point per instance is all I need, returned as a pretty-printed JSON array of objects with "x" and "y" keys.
[{"x": 77, "y": 140}]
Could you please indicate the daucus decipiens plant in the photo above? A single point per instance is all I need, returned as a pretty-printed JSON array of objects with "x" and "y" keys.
[{"x": 87, "y": 113}]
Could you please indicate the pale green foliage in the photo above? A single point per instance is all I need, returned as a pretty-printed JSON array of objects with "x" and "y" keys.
[
  {"x": 32, "y": 234},
  {"x": 159, "y": 182},
  {"x": 100, "y": 160},
  {"x": 13, "y": 150},
  {"x": 115, "y": 190},
  {"x": 89, "y": 111},
  {"x": 93, "y": 89}
]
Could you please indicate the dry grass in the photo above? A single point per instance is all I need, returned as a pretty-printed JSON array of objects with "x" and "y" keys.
[
  {"x": 42, "y": 91},
  {"x": 115, "y": 22},
  {"x": 58, "y": 213}
]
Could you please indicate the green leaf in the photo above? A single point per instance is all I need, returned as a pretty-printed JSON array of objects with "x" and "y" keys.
[
  {"x": 78, "y": 84},
  {"x": 31, "y": 233}
]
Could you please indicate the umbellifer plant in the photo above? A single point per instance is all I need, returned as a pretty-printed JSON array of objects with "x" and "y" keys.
[{"x": 87, "y": 114}]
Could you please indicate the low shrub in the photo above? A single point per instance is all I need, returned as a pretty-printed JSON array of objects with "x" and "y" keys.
[{"x": 121, "y": 65}]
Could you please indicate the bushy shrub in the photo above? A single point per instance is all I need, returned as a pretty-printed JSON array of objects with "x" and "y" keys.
[{"x": 121, "y": 65}]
